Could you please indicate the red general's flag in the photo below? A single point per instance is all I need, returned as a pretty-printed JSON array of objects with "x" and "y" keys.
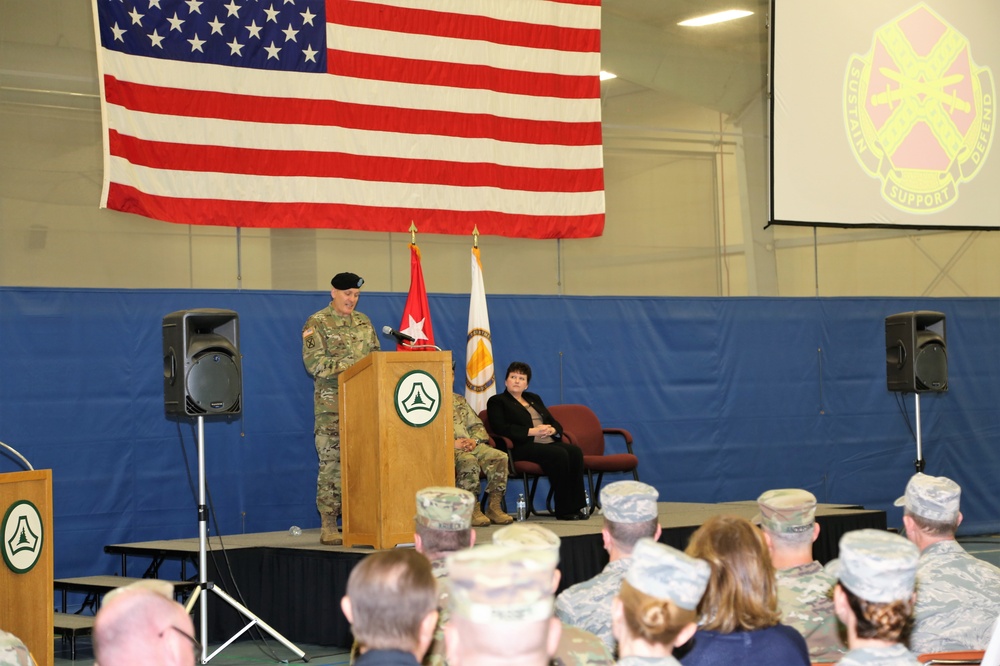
[
  {"x": 416, "y": 321},
  {"x": 355, "y": 114}
]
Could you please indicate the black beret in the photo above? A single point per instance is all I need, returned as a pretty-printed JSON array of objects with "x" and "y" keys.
[{"x": 347, "y": 281}]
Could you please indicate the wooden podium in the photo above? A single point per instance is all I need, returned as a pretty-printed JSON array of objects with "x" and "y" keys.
[
  {"x": 396, "y": 437},
  {"x": 26, "y": 592}
]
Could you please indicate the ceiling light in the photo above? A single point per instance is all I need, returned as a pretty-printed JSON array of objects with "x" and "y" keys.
[
  {"x": 607, "y": 75},
  {"x": 718, "y": 17}
]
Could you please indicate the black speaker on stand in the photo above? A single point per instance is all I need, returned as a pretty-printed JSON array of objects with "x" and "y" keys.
[
  {"x": 916, "y": 360},
  {"x": 202, "y": 371}
]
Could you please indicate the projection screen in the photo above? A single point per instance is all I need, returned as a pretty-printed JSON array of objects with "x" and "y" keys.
[{"x": 883, "y": 113}]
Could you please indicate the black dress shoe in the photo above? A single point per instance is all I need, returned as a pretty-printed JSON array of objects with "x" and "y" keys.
[
  {"x": 568, "y": 516},
  {"x": 583, "y": 515}
]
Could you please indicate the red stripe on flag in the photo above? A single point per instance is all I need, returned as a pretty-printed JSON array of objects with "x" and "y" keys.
[
  {"x": 254, "y": 108},
  {"x": 344, "y": 216},
  {"x": 220, "y": 159},
  {"x": 463, "y": 26},
  {"x": 478, "y": 77}
]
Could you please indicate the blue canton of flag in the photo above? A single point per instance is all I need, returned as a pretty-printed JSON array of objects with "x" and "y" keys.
[{"x": 287, "y": 35}]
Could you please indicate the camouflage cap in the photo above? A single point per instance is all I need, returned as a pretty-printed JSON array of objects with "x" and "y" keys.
[
  {"x": 932, "y": 497},
  {"x": 629, "y": 502},
  {"x": 878, "y": 566},
  {"x": 666, "y": 573},
  {"x": 445, "y": 508},
  {"x": 786, "y": 510},
  {"x": 13, "y": 651},
  {"x": 527, "y": 536},
  {"x": 492, "y": 583},
  {"x": 346, "y": 281}
]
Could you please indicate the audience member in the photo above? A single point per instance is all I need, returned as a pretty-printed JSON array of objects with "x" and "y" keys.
[
  {"x": 443, "y": 526},
  {"x": 630, "y": 514},
  {"x": 13, "y": 652},
  {"x": 656, "y": 608},
  {"x": 142, "y": 624},
  {"x": 391, "y": 603},
  {"x": 874, "y": 597},
  {"x": 576, "y": 646},
  {"x": 521, "y": 416},
  {"x": 739, "y": 618},
  {"x": 501, "y": 607},
  {"x": 805, "y": 590},
  {"x": 958, "y": 595},
  {"x": 474, "y": 454}
]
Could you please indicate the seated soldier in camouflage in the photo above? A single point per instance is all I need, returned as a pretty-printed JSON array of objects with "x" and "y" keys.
[
  {"x": 472, "y": 454},
  {"x": 630, "y": 514},
  {"x": 805, "y": 591},
  {"x": 13, "y": 652},
  {"x": 958, "y": 595},
  {"x": 501, "y": 607},
  {"x": 443, "y": 526},
  {"x": 874, "y": 596},
  {"x": 577, "y": 647},
  {"x": 656, "y": 608}
]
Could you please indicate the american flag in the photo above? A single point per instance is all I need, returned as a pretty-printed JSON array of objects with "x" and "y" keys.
[{"x": 355, "y": 114}]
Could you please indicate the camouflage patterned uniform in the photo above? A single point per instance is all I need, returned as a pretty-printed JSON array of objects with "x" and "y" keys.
[
  {"x": 588, "y": 604},
  {"x": 331, "y": 343},
  {"x": 893, "y": 655},
  {"x": 958, "y": 600},
  {"x": 806, "y": 603},
  {"x": 493, "y": 462},
  {"x": 13, "y": 652}
]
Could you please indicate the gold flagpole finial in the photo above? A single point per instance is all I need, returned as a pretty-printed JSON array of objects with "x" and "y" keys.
[
  {"x": 475, "y": 236},
  {"x": 413, "y": 233}
]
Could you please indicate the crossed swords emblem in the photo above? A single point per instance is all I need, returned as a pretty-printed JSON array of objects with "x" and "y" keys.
[{"x": 911, "y": 88}]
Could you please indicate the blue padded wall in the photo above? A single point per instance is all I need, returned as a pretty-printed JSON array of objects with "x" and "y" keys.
[{"x": 725, "y": 397}]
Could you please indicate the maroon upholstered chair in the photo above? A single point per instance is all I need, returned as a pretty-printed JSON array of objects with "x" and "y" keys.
[
  {"x": 523, "y": 468},
  {"x": 582, "y": 427}
]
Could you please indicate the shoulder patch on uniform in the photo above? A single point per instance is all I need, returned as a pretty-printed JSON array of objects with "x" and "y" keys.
[{"x": 307, "y": 332}]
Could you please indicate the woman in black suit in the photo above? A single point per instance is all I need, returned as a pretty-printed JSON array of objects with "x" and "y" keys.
[{"x": 521, "y": 417}]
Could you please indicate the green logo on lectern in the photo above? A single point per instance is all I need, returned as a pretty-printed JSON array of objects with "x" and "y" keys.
[
  {"x": 417, "y": 398},
  {"x": 22, "y": 536}
]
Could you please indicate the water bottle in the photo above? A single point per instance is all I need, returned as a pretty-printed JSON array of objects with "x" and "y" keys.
[
  {"x": 586, "y": 502},
  {"x": 522, "y": 507},
  {"x": 294, "y": 531}
]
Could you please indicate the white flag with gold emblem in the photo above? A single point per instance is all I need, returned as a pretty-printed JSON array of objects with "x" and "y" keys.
[{"x": 480, "y": 376}]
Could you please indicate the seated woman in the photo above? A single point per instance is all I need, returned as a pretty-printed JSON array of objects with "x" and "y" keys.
[
  {"x": 738, "y": 616},
  {"x": 655, "y": 607},
  {"x": 874, "y": 596},
  {"x": 521, "y": 417}
]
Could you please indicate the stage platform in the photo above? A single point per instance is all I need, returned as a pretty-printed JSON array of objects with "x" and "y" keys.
[{"x": 294, "y": 583}]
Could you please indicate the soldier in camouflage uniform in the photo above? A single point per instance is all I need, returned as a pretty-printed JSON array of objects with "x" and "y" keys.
[
  {"x": 333, "y": 339},
  {"x": 501, "y": 606},
  {"x": 13, "y": 652},
  {"x": 443, "y": 526},
  {"x": 630, "y": 514},
  {"x": 874, "y": 596},
  {"x": 663, "y": 578},
  {"x": 472, "y": 454},
  {"x": 576, "y": 647},
  {"x": 805, "y": 591},
  {"x": 958, "y": 595}
]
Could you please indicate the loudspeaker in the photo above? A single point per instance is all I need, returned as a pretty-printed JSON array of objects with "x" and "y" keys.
[
  {"x": 916, "y": 360},
  {"x": 202, "y": 371}
]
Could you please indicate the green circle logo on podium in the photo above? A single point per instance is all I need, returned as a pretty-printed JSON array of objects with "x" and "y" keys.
[
  {"x": 417, "y": 398},
  {"x": 22, "y": 536}
]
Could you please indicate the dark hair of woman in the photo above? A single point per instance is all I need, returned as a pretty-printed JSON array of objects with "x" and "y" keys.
[
  {"x": 520, "y": 368},
  {"x": 651, "y": 619},
  {"x": 888, "y": 621}
]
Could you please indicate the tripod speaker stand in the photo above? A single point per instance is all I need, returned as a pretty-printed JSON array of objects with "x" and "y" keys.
[{"x": 205, "y": 586}]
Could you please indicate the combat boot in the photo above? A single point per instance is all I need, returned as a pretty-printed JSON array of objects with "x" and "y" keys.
[
  {"x": 479, "y": 519},
  {"x": 330, "y": 533},
  {"x": 495, "y": 513}
]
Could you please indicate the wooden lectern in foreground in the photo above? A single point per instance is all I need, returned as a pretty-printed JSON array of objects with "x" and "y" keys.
[
  {"x": 26, "y": 592},
  {"x": 396, "y": 437}
]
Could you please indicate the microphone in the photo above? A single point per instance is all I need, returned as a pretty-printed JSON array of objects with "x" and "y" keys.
[{"x": 400, "y": 337}]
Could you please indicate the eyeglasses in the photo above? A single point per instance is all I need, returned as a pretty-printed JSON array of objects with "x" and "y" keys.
[{"x": 191, "y": 639}]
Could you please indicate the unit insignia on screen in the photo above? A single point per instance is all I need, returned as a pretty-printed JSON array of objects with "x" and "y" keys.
[{"x": 919, "y": 112}]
